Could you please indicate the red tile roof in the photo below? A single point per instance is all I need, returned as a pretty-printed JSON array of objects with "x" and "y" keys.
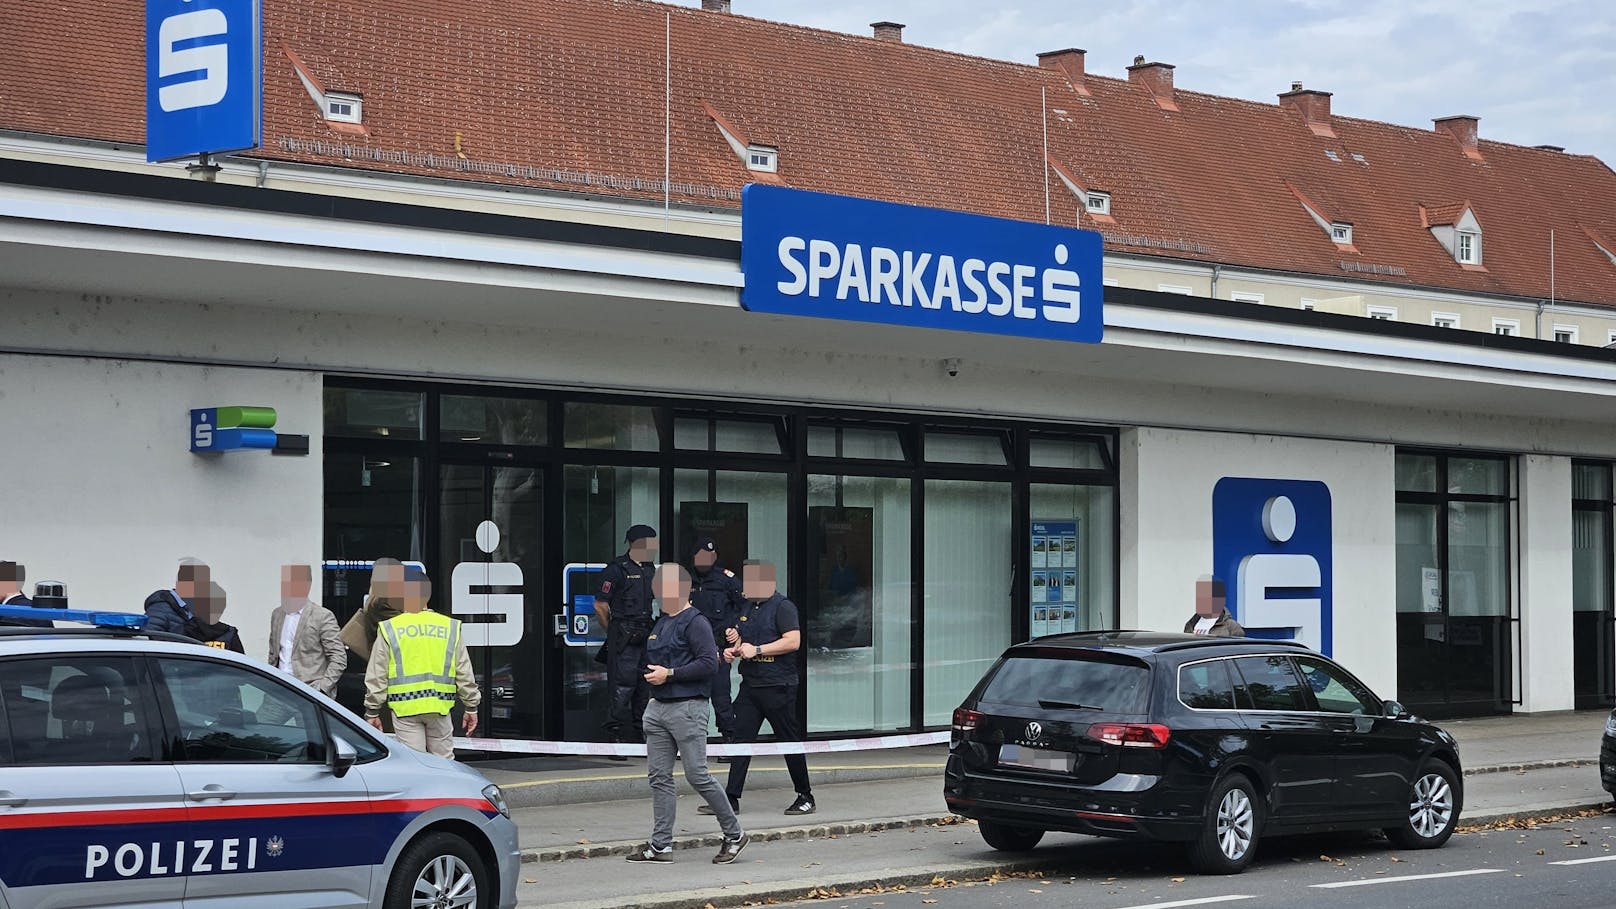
[{"x": 568, "y": 95}]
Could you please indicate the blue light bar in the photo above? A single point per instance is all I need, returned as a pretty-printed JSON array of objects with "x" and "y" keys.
[{"x": 81, "y": 616}]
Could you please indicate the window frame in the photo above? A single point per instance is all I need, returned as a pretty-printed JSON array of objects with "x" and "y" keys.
[
  {"x": 150, "y": 723},
  {"x": 1246, "y": 296},
  {"x": 355, "y": 103},
  {"x": 770, "y": 154},
  {"x": 1341, "y": 233},
  {"x": 174, "y": 729},
  {"x": 1101, "y": 197},
  {"x": 1228, "y": 674},
  {"x": 1467, "y": 247},
  {"x": 1437, "y": 318},
  {"x": 1513, "y": 326},
  {"x": 1381, "y": 312},
  {"x": 1572, "y": 333},
  {"x": 1180, "y": 289}
]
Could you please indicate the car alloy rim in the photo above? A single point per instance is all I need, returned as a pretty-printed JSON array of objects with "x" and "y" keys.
[
  {"x": 1432, "y": 807},
  {"x": 445, "y": 883},
  {"x": 1235, "y": 820}
]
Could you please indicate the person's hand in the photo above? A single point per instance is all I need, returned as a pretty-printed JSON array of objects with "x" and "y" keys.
[
  {"x": 731, "y": 654},
  {"x": 656, "y": 675},
  {"x": 375, "y": 721},
  {"x": 733, "y": 635},
  {"x": 470, "y": 721}
]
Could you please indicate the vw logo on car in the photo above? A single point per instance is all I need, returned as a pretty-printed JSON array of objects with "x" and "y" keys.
[{"x": 1035, "y": 731}]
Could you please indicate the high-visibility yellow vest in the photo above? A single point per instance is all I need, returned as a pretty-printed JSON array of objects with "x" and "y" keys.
[{"x": 421, "y": 668}]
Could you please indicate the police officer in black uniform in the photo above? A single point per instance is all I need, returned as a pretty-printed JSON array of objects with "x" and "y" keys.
[
  {"x": 623, "y": 604},
  {"x": 716, "y": 594},
  {"x": 770, "y": 636}
]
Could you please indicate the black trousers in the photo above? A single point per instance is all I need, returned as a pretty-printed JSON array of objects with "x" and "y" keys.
[
  {"x": 723, "y": 708},
  {"x": 626, "y": 684},
  {"x": 778, "y": 705}
]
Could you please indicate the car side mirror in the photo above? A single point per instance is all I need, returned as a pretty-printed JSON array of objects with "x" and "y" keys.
[
  {"x": 1393, "y": 710},
  {"x": 343, "y": 757}
]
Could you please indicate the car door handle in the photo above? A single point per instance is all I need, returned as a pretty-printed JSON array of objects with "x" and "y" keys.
[
  {"x": 11, "y": 800},
  {"x": 210, "y": 791}
]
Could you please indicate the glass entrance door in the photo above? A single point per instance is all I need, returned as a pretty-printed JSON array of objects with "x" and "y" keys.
[
  {"x": 1455, "y": 621},
  {"x": 1593, "y": 622},
  {"x": 490, "y": 576}
]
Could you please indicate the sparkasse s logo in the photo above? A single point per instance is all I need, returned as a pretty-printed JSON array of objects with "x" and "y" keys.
[
  {"x": 1273, "y": 548},
  {"x": 203, "y": 86}
]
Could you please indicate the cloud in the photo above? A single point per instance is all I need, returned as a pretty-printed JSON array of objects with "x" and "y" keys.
[{"x": 1538, "y": 74}]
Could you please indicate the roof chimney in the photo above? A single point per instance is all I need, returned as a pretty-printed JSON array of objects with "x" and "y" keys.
[
  {"x": 715, "y": 6},
  {"x": 1314, "y": 106},
  {"x": 1157, "y": 78},
  {"x": 1462, "y": 129},
  {"x": 1068, "y": 61},
  {"x": 888, "y": 31}
]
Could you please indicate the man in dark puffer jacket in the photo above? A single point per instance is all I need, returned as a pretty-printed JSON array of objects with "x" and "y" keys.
[{"x": 174, "y": 610}]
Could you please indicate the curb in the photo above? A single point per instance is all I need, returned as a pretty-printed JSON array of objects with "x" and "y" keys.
[
  {"x": 774, "y": 834},
  {"x": 1531, "y": 814},
  {"x": 1532, "y": 765},
  {"x": 902, "y": 879}
]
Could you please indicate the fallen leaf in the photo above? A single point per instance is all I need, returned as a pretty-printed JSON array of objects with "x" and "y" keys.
[
  {"x": 584, "y": 843},
  {"x": 1178, "y": 880},
  {"x": 928, "y": 902}
]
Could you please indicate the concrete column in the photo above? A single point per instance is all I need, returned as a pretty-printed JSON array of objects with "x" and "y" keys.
[{"x": 1545, "y": 583}]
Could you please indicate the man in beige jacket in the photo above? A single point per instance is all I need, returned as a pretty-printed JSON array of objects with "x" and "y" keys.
[{"x": 304, "y": 638}]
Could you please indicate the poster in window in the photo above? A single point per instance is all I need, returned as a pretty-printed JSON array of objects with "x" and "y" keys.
[
  {"x": 841, "y": 559},
  {"x": 725, "y": 522},
  {"x": 1040, "y": 551},
  {"x": 1054, "y": 579},
  {"x": 1069, "y": 548}
]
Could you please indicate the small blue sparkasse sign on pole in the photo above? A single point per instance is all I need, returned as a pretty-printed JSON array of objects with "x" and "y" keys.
[
  {"x": 813, "y": 254},
  {"x": 204, "y": 86}
]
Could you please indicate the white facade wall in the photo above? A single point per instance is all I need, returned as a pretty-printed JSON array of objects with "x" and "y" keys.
[
  {"x": 103, "y": 494},
  {"x": 1166, "y": 534},
  {"x": 1545, "y": 543}
]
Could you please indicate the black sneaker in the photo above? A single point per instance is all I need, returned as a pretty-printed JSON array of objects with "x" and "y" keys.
[
  {"x": 730, "y": 849},
  {"x": 803, "y": 805},
  {"x": 655, "y": 856},
  {"x": 704, "y": 808}
]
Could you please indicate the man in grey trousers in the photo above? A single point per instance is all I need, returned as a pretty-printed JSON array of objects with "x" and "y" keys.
[{"x": 681, "y": 657}]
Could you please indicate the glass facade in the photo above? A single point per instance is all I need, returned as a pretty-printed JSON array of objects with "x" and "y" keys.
[
  {"x": 905, "y": 541},
  {"x": 1593, "y": 601},
  {"x": 1456, "y": 630}
]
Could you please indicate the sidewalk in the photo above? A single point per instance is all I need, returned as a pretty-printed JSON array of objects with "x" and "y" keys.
[{"x": 896, "y": 830}]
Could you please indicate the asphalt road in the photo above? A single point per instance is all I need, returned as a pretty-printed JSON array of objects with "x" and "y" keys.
[{"x": 1566, "y": 866}]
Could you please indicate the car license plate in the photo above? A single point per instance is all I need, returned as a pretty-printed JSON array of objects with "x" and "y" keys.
[{"x": 1027, "y": 758}]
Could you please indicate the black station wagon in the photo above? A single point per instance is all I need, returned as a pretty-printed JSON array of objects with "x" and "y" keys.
[{"x": 1212, "y": 742}]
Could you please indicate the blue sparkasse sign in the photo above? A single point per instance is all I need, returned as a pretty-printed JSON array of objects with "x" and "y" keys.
[
  {"x": 814, "y": 254},
  {"x": 204, "y": 87},
  {"x": 1272, "y": 547}
]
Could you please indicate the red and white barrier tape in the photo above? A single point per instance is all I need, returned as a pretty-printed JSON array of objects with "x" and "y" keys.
[{"x": 757, "y": 749}]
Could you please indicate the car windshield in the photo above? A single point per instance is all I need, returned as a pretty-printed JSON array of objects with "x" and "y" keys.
[{"x": 1058, "y": 681}]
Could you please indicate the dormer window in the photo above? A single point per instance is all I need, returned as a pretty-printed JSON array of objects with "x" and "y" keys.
[
  {"x": 1098, "y": 203},
  {"x": 343, "y": 108},
  {"x": 1467, "y": 247},
  {"x": 1341, "y": 233},
  {"x": 763, "y": 158}
]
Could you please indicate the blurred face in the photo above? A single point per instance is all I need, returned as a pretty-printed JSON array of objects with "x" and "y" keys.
[
  {"x": 387, "y": 581},
  {"x": 643, "y": 550},
  {"x": 671, "y": 588},
  {"x": 1206, "y": 604},
  {"x": 296, "y": 580},
  {"x": 196, "y": 587},
  {"x": 416, "y": 594},
  {"x": 705, "y": 559},
  {"x": 757, "y": 582}
]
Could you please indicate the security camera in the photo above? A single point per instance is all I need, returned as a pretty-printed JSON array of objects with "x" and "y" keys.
[{"x": 951, "y": 366}]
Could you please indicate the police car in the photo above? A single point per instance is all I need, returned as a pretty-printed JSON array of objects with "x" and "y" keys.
[{"x": 144, "y": 770}]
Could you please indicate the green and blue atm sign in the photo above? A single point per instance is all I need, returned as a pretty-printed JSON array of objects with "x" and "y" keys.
[{"x": 220, "y": 429}]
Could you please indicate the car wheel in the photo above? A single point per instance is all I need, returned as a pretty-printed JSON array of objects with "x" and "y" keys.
[
  {"x": 1007, "y": 838},
  {"x": 438, "y": 870},
  {"x": 1228, "y": 837},
  {"x": 1434, "y": 803}
]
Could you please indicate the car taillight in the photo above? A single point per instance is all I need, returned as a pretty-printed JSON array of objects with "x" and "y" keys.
[
  {"x": 1131, "y": 735},
  {"x": 965, "y": 719}
]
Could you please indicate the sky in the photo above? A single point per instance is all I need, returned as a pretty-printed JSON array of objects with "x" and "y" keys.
[{"x": 1537, "y": 72}]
